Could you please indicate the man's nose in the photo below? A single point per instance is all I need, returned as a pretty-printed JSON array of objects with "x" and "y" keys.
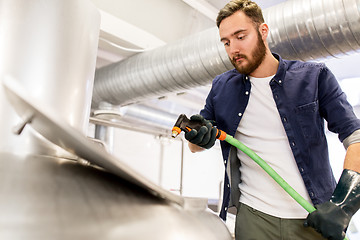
[{"x": 234, "y": 49}]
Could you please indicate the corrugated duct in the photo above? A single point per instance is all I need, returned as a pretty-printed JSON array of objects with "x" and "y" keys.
[{"x": 302, "y": 29}]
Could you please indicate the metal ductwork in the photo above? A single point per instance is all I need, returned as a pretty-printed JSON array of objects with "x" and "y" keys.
[
  {"x": 304, "y": 29},
  {"x": 314, "y": 29},
  {"x": 148, "y": 119},
  {"x": 185, "y": 64}
]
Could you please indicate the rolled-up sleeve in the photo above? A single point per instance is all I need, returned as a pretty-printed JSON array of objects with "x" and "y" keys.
[{"x": 334, "y": 106}]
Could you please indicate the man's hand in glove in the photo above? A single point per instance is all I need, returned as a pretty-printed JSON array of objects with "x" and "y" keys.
[
  {"x": 206, "y": 136},
  {"x": 332, "y": 218}
]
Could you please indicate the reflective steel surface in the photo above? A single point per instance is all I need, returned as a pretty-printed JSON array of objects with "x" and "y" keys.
[
  {"x": 50, "y": 48},
  {"x": 47, "y": 61},
  {"x": 45, "y": 197},
  {"x": 52, "y": 198},
  {"x": 50, "y": 125}
]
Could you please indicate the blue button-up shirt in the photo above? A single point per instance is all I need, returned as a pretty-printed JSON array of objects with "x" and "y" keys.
[{"x": 305, "y": 94}]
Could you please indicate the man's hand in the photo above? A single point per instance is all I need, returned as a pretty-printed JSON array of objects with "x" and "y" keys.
[
  {"x": 330, "y": 220},
  {"x": 206, "y": 136}
]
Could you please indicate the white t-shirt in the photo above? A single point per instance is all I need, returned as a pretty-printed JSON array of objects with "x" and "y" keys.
[{"x": 261, "y": 130}]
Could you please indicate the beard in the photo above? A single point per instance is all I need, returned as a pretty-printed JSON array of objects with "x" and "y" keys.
[{"x": 258, "y": 55}]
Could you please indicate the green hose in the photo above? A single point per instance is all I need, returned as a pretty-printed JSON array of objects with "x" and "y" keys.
[{"x": 296, "y": 196}]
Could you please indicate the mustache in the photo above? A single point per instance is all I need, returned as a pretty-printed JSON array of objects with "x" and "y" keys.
[{"x": 238, "y": 56}]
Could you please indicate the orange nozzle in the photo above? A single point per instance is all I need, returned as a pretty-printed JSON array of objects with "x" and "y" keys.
[
  {"x": 221, "y": 135},
  {"x": 175, "y": 131}
]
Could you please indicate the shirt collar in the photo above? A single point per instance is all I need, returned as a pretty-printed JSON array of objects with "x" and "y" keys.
[{"x": 280, "y": 74}]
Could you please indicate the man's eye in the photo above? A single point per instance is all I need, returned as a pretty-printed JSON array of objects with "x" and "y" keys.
[
  {"x": 241, "y": 37},
  {"x": 226, "y": 44}
]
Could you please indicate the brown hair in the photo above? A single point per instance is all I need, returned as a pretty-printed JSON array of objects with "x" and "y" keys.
[{"x": 250, "y": 8}]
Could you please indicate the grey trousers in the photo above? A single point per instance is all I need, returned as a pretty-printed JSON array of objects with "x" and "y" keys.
[{"x": 255, "y": 225}]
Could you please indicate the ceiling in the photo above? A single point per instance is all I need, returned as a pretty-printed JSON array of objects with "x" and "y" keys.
[{"x": 131, "y": 27}]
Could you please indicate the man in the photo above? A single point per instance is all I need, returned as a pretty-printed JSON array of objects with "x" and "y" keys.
[{"x": 277, "y": 108}]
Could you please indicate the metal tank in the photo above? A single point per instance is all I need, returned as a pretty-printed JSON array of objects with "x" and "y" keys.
[
  {"x": 47, "y": 64},
  {"x": 49, "y": 47},
  {"x": 96, "y": 197},
  {"x": 43, "y": 197}
]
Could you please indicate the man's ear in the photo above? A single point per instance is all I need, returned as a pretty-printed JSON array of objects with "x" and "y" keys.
[{"x": 264, "y": 30}]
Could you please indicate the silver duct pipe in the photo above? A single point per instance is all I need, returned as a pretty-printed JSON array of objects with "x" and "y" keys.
[
  {"x": 303, "y": 29},
  {"x": 138, "y": 114},
  {"x": 181, "y": 65},
  {"x": 314, "y": 29},
  {"x": 144, "y": 114}
]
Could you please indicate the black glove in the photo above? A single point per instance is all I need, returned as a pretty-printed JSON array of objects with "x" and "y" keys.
[
  {"x": 332, "y": 218},
  {"x": 204, "y": 137}
]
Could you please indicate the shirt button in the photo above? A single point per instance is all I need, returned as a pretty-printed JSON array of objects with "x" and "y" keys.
[
  {"x": 247, "y": 92},
  {"x": 301, "y": 170},
  {"x": 247, "y": 78},
  {"x": 225, "y": 208},
  {"x": 312, "y": 194},
  {"x": 225, "y": 161},
  {"x": 276, "y": 96},
  {"x": 228, "y": 185},
  {"x": 240, "y": 114},
  {"x": 284, "y": 119},
  {"x": 293, "y": 144},
  {"x": 279, "y": 81}
]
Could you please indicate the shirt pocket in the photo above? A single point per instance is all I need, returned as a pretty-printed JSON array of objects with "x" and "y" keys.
[{"x": 310, "y": 121}]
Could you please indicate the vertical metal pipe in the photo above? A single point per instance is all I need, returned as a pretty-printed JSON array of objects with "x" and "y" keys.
[
  {"x": 182, "y": 166},
  {"x": 161, "y": 161},
  {"x": 106, "y": 135}
]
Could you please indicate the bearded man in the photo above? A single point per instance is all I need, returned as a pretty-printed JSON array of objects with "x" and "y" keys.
[{"x": 277, "y": 108}]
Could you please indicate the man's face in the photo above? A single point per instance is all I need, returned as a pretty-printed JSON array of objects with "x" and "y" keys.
[{"x": 243, "y": 42}]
